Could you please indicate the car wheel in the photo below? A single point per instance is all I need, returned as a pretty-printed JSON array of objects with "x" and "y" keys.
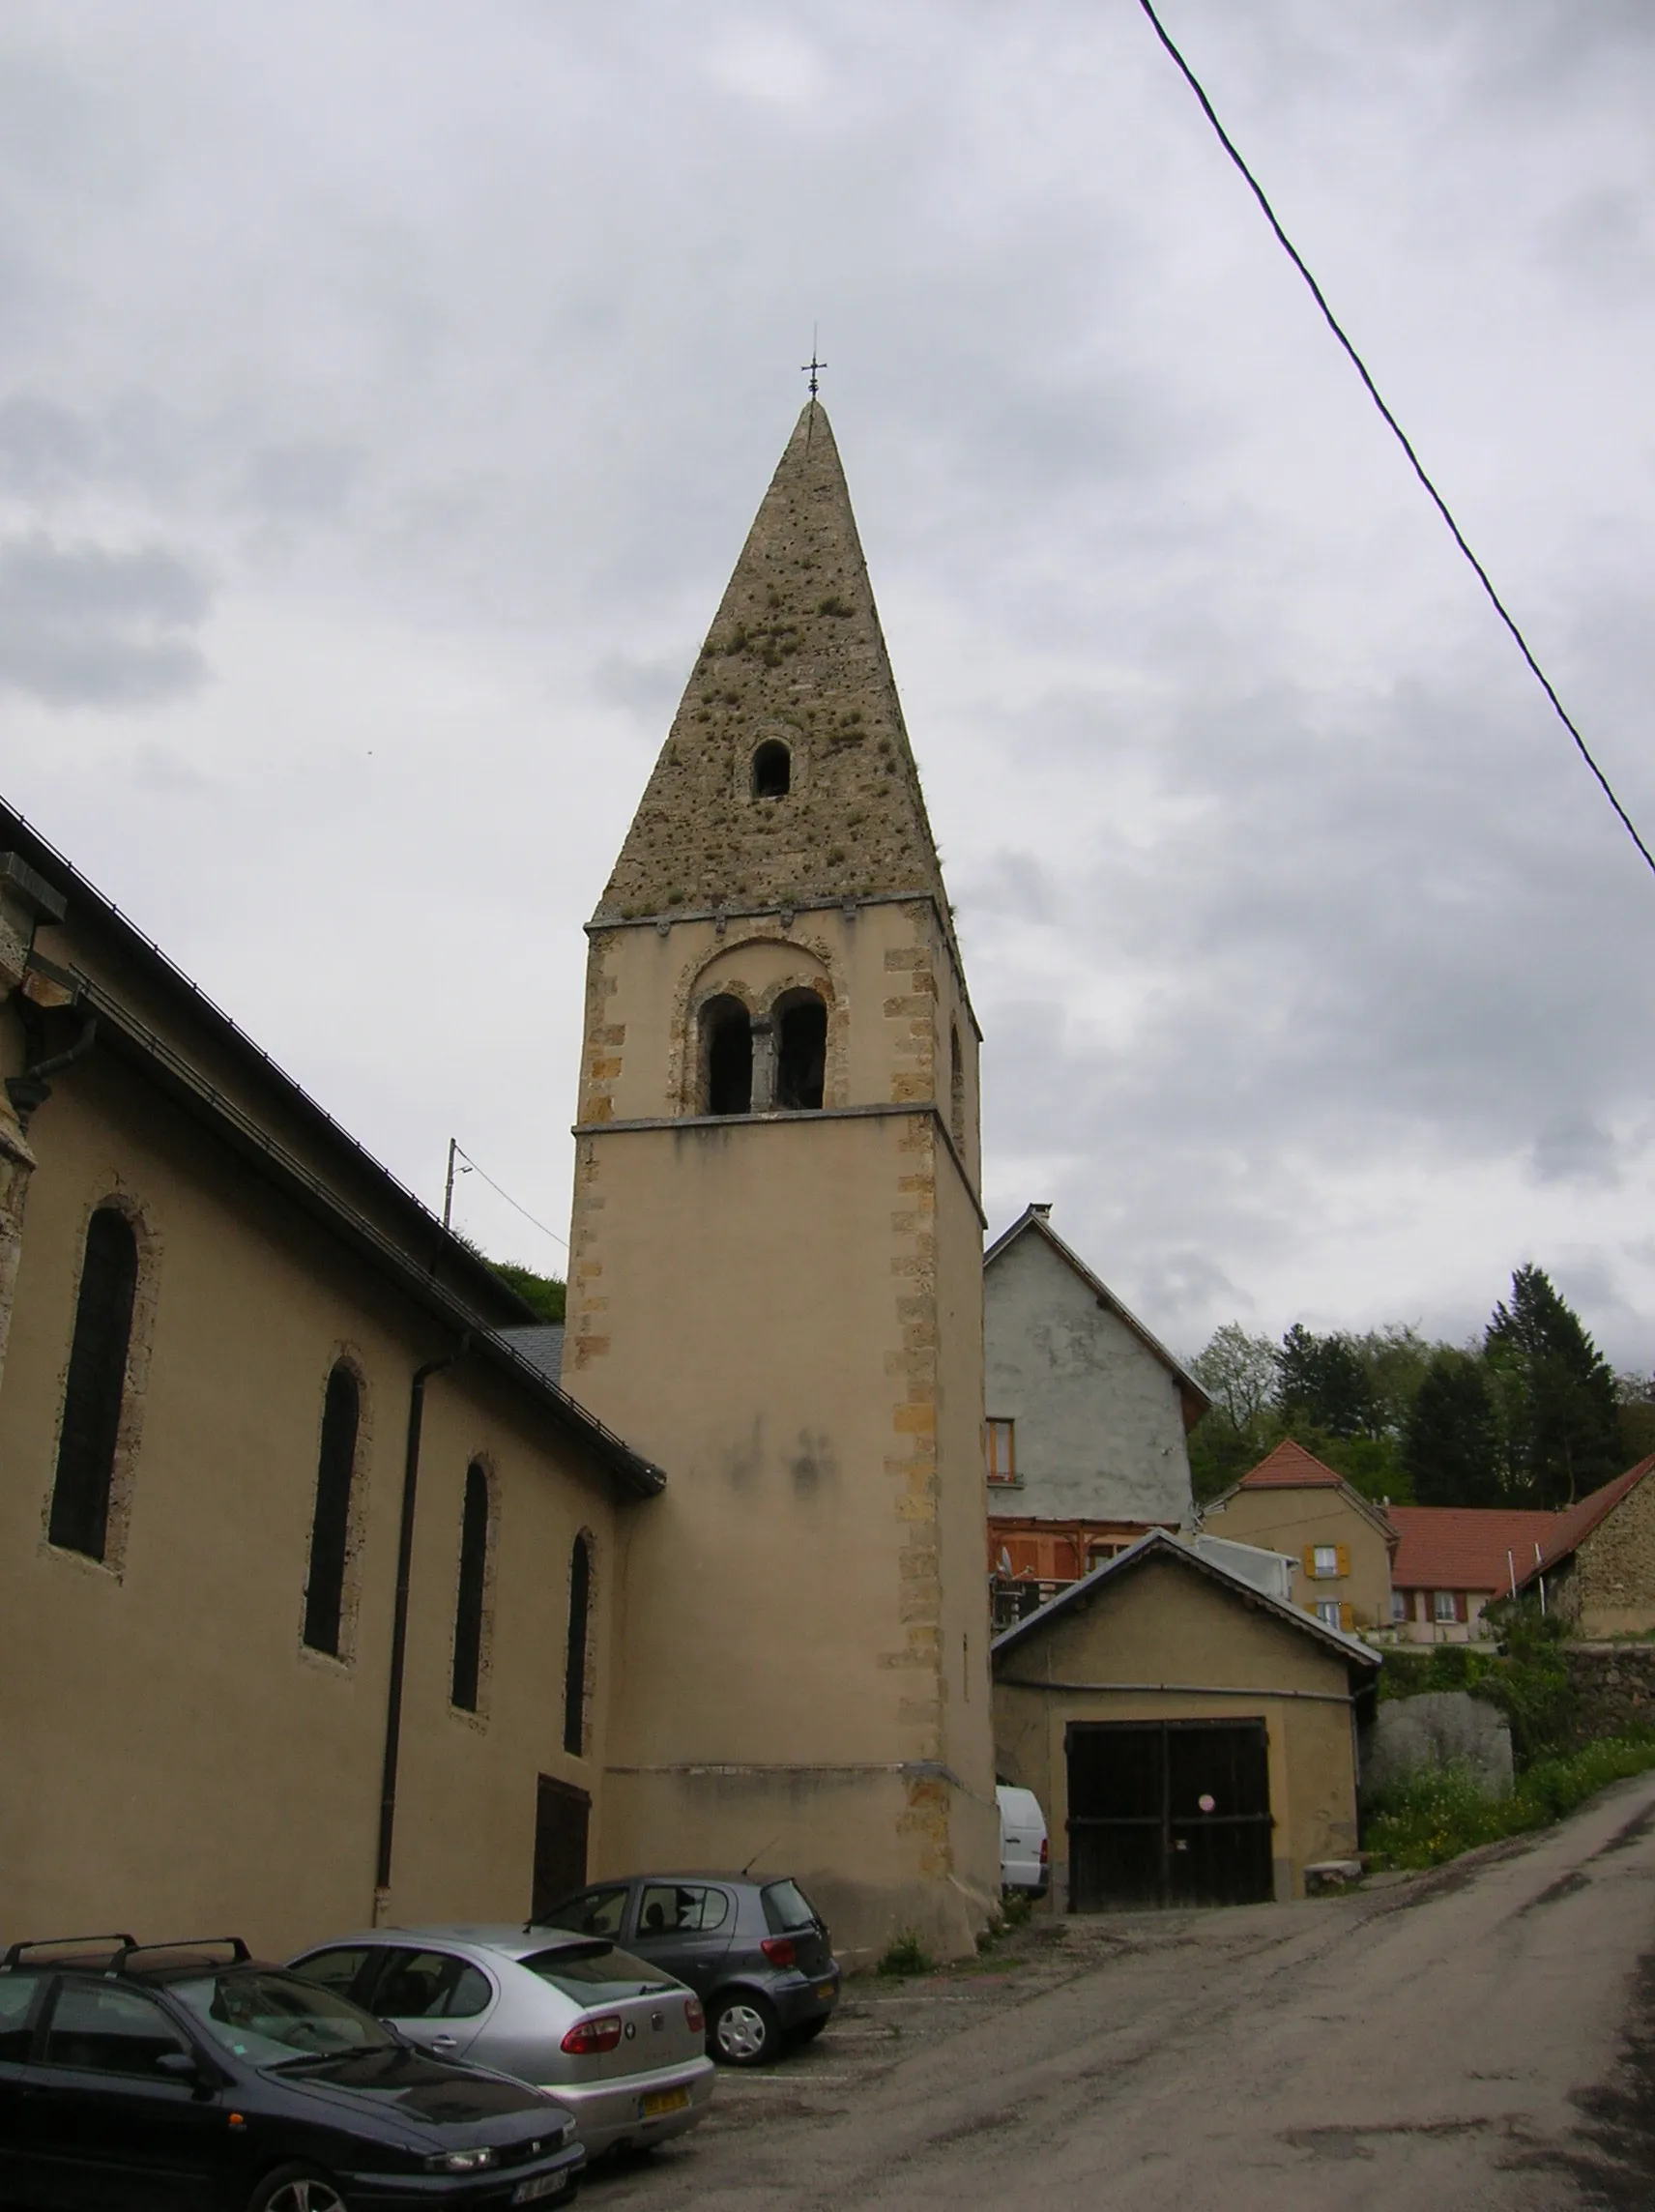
[
  {"x": 809, "y": 2030},
  {"x": 743, "y": 2029},
  {"x": 296, "y": 2188}
]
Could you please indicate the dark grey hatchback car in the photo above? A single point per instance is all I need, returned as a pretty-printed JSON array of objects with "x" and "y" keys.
[{"x": 756, "y": 1953}]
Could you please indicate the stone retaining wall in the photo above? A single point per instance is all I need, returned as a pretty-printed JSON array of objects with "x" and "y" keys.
[{"x": 1616, "y": 1684}]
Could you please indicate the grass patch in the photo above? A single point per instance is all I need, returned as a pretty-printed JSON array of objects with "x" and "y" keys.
[
  {"x": 1438, "y": 1813},
  {"x": 906, "y": 1957}
]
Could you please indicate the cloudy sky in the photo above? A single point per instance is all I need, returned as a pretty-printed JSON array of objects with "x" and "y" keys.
[{"x": 386, "y": 391}]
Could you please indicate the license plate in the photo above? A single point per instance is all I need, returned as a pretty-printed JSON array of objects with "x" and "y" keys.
[
  {"x": 826, "y": 1989},
  {"x": 542, "y": 2185},
  {"x": 653, "y": 2107}
]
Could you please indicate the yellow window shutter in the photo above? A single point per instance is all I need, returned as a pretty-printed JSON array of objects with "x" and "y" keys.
[
  {"x": 1309, "y": 1560},
  {"x": 1347, "y": 1616},
  {"x": 1344, "y": 1551}
]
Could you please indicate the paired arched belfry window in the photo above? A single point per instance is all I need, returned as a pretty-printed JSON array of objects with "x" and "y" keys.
[
  {"x": 474, "y": 1575},
  {"x": 801, "y": 1052},
  {"x": 727, "y": 1057},
  {"x": 96, "y": 1385},
  {"x": 763, "y": 1065},
  {"x": 330, "y": 1523},
  {"x": 575, "y": 1665}
]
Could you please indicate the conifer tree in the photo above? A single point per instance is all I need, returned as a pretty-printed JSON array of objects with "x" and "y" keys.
[
  {"x": 1452, "y": 1445},
  {"x": 1556, "y": 1393}
]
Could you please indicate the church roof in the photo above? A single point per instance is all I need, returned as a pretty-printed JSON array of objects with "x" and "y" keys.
[{"x": 795, "y": 655}]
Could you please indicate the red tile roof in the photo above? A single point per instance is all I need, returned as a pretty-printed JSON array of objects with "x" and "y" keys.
[
  {"x": 1576, "y": 1523},
  {"x": 1290, "y": 1467},
  {"x": 1464, "y": 1547}
]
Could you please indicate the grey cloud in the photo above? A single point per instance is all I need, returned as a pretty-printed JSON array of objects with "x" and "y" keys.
[
  {"x": 1573, "y": 1148},
  {"x": 307, "y": 481},
  {"x": 82, "y": 626}
]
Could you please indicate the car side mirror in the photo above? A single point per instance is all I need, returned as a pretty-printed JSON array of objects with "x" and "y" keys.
[{"x": 182, "y": 2066}]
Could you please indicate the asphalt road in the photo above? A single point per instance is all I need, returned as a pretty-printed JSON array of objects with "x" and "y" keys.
[{"x": 1480, "y": 2037}]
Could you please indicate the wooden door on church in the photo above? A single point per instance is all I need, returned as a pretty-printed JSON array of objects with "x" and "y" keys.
[{"x": 562, "y": 1815}]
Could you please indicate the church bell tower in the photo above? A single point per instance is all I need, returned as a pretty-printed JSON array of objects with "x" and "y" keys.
[{"x": 776, "y": 1276}]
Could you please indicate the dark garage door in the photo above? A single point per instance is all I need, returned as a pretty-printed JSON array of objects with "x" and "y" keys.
[{"x": 1168, "y": 1813}]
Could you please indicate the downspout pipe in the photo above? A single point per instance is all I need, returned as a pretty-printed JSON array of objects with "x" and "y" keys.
[
  {"x": 31, "y": 1089},
  {"x": 400, "y": 1621}
]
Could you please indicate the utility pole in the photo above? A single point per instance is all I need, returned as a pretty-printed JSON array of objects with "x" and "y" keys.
[{"x": 448, "y": 1186}]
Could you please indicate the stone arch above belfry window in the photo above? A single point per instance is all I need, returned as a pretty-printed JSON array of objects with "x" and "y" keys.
[{"x": 772, "y": 770}]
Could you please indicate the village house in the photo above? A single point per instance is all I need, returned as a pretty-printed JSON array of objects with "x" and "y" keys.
[
  {"x": 1598, "y": 1568},
  {"x": 1191, "y": 1736},
  {"x": 323, "y": 1600},
  {"x": 1451, "y": 1560},
  {"x": 1343, "y": 1542},
  {"x": 1088, "y": 1419}
]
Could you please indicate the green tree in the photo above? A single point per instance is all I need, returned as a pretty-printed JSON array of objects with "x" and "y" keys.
[
  {"x": 544, "y": 1293},
  {"x": 1323, "y": 1380},
  {"x": 1452, "y": 1445},
  {"x": 1634, "y": 1396},
  {"x": 1238, "y": 1374},
  {"x": 1556, "y": 1395}
]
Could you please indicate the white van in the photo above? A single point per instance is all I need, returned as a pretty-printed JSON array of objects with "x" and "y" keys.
[{"x": 1023, "y": 1849}]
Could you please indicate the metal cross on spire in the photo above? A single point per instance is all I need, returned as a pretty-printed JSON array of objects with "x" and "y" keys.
[{"x": 812, "y": 368}]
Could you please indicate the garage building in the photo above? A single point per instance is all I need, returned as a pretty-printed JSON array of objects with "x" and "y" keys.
[{"x": 1192, "y": 1738}]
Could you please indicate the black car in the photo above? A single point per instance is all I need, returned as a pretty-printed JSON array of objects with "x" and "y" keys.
[
  {"x": 756, "y": 1953},
  {"x": 187, "y": 2077}
]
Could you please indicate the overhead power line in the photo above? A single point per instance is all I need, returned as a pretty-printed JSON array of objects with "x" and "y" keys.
[
  {"x": 456, "y": 1151},
  {"x": 1398, "y": 432}
]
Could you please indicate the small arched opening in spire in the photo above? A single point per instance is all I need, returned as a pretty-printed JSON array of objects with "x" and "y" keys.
[
  {"x": 726, "y": 1057},
  {"x": 801, "y": 1052},
  {"x": 772, "y": 770}
]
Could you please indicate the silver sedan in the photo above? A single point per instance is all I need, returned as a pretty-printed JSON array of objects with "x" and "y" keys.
[{"x": 622, "y": 2044}]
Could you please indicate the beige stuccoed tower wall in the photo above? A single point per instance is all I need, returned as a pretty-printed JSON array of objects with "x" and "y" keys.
[{"x": 785, "y": 1307}]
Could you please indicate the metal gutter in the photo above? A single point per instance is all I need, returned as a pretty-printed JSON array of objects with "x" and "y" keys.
[{"x": 1174, "y": 1690}]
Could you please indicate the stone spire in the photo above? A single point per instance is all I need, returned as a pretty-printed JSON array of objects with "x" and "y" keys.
[{"x": 794, "y": 657}]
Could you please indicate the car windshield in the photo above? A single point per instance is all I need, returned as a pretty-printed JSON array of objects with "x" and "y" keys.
[
  {"x": 273, "y": 2019},
  {"x": 595, "y": 1973},
  {"x": 786, "y": 1906}
]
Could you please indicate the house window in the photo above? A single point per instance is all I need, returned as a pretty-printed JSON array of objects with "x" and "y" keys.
[
  {"x": 468, "y": 1605},
  {"x": 802, "y": 1053},
  {"x": 575, "y": 1668},
  {"x": 1332, "y": 1614},
  {"x": 772, "y": 770},
  {"x": 96, "y": 1386},
  {"x": 1326, "y": 1562},
  {"x": 1443, "y": 1608},
  {"x": 1398, "y": 1605},
  {"x": 330, "y": 1523},
  {"x": 1000, "y": 1443},
  {"x": 726, "y": 1057}
]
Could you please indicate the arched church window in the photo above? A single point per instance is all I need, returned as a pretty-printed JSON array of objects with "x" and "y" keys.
[
  {"x": 772, "y": 770},
  {"x": 801, "y": 1052},
  {"x": 956, "y": 1086},
  {"x": 726, "y": 1057},
  {"x": 474, "y": 1575},
  {"x": 574, "y": 1669},
  {"x": 96, "y": 1386},
  {"x": 331, "y": 1523}
]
